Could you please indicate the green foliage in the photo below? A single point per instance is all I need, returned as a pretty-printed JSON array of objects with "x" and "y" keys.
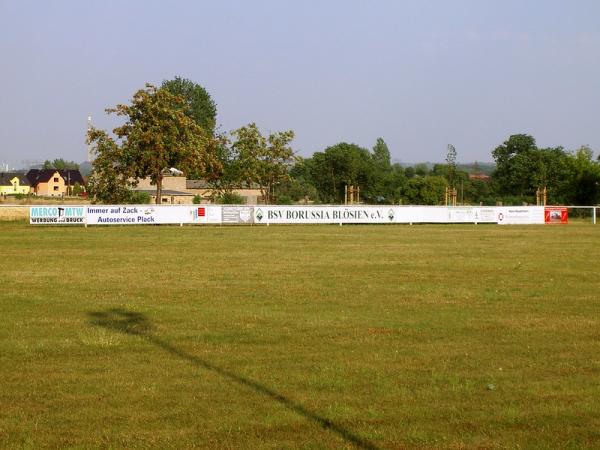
[
  {"x": 284, "y": 200},
  {"x": 388, "y": 180},
  {"x": 157, "y": 135},
  {"x": 427, "y": 190},
  {"x": 515, "y": 163},
  {"x": 139, "y": 198},
  {"x": 60, "y": 164},
  {"x": 108, "y": 182},
  {"x": 451, "y": 163},
  {"x": 522, "y": 168},
  {"x": 197, "y": 199},
  {"x": 421, "y": 169},
  {"x": 583, "y": 184},
  {"x": 77, "y": 189},
  {"x": 338, "y": 166},
  {"x": 381, "y": 155},
  {"x": 297, "y": 190},
  {"x": 198, "y": 104},
  {"x": 230, "y": 198},
  {"x": 261, "y": 160}
]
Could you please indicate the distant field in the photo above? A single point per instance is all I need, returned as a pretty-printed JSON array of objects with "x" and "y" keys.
[{"x": 448, "y": 336}]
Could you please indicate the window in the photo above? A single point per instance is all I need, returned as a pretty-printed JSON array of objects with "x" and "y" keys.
[
  {"x": 56, "y": 188},
  {"x": 56, "y": 180}
]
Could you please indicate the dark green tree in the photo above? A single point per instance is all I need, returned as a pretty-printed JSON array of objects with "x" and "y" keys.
[
  {"x": 340, "y": 165},
  {"x": 427, "y": 190},
  {"x": 198, "y": 104},
  {"x": 451, "y": 162},
  {"x": 583, "y": 185},
  {"x": 388, "y": 180},
  {"x": 514, "y": 165},
  {"x": 381, "y": 155}
]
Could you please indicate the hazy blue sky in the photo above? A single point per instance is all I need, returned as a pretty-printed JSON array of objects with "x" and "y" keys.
[{"x": 421, "y": 74}]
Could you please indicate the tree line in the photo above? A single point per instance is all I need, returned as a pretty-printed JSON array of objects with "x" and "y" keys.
[{"x": 174, "y": 126}]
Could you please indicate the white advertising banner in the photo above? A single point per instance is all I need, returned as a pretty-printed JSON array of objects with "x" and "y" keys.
[
  {"x": 323, "y": 214},
  {"x": 51, "y": 215},
  {"x": 217, "y": 214},
  {"x": 204, "y": 214},
  {"x": 452, "y": 214},
  {"x": 138, "y": 215},
  {"x": 233, "y": 215},
  {"x": 515, "y": 215}
]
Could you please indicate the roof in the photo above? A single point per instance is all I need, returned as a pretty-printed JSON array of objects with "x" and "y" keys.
[
  {"x": 5, "y": 178},
  {"x": 197, "y": 184},
  {"x": 478, "y": 176},
  {"x": 70, "y": 176},
  {"x": 165, "y": 192},
  {"x": 203, "y": 184}
]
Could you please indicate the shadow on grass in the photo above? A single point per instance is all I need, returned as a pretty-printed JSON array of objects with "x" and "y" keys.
[{"x": 134, "y": 323}]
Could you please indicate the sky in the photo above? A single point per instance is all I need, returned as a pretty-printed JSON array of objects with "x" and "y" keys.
[{"x": 420, "y": 74}]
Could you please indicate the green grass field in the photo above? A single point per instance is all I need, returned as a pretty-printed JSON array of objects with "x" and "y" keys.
[{"x": 300, "y": 337}]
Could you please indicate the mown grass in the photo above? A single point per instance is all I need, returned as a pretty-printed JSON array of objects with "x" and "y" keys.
[{"x": 300, "y": 337}]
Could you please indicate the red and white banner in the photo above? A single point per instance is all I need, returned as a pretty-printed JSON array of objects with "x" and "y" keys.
[{"x": 556, "y": 214}]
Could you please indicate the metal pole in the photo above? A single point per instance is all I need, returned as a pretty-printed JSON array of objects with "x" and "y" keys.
[{"x": 594, "y": 215}]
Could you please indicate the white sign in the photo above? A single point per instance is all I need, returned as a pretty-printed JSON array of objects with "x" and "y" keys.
[
  {"x": 205, "y": 214},
  {"x": 217, "y": 214},
  {"x": 138, "y": 215},
  {"x": 54, "y": 215},
  {"x": 237, "y": 214},
  {"x": 323, "y": 214},
  {"x": 514, "y": 215}
]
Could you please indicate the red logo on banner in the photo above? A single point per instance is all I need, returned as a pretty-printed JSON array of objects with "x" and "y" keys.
[
  {"x": 556, "y": 215},
  {"x": 201, "y": 212}
]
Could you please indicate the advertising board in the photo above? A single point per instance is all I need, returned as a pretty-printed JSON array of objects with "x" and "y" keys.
[
  {"x": 268, "y": 214},
  {"x": 138, "y": 215},
  {"x": 515, "y": 215},
  {"x": 556, "y": 215},
  {"x": 237, "y": 215},
  {"x": 54, "y": 215},
  {"x": 323, "y": 214},
  {"x": 204, "y": 214}
]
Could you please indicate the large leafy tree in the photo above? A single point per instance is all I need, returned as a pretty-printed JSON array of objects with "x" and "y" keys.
[
  {"x": 427, "y": 190},
  {"x": 198, "y": 104},
  {"x": 514, "y": 165},
  {"x": 262, "y": 160},
  {"x": 583, "y": 184},
  {"x": 157, "y": 135},
  {"x": 339, "y": 165},
  {"x": 522, "y": 168}
]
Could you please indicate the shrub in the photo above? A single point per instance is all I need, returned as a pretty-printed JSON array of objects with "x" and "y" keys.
[
  {"x": 139, "y": 198},
  {"x": 197, "y": 199},
  {"x": 284, "y": 200},
  {"x": 230, "y": 198},
  {"x": 77, "y": 189}
]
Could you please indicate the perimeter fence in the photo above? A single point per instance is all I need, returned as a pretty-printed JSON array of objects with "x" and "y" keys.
[{"x": 272, "y": 214}]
